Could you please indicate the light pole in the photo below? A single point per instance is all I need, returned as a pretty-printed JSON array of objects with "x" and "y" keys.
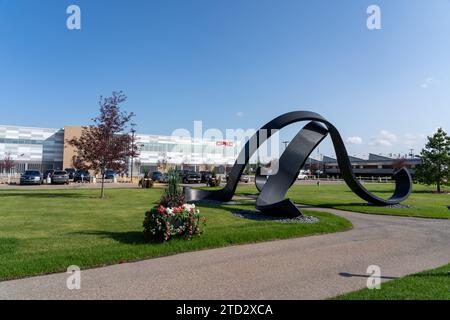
[{"x": 133, "y": 131}]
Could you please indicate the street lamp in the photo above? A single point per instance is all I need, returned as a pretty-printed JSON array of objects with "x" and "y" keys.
[{"x": 133, "y": 131}]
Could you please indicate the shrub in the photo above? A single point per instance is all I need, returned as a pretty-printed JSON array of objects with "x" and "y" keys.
[
  {"x": 146, "y": 183},
  {"x": 162, "y": 223},
  {"x": 173, "y": 195},
  {"x": 214, "y": 182},
  {"x": 172, "y": 217}
]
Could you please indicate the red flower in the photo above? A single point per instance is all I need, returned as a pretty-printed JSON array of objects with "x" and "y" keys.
[{"x": 161, "y": 210}]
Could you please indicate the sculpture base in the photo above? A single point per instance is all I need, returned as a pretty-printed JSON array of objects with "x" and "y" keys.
[{"x": 259, "y": 216}]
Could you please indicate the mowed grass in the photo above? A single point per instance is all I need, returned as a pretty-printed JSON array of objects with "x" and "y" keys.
[
  {"x": 44, "y": 231},
  {"x": 427, "y": 285},
  {"x": 423, "y": 201}
]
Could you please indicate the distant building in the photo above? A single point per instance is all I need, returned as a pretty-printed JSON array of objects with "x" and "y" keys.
[{"x": 374, "y": 166}]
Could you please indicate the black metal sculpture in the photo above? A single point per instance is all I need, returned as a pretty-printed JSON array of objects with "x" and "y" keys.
[{"x": 273, "y": 189}]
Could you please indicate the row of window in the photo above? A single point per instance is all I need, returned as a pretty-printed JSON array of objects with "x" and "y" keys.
[
  {"x": 186, "y": 148},
  {"x": 31, "y": 141}
]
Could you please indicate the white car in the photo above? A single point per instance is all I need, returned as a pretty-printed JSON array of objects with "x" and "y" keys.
[{"x": 303, "y": 175}]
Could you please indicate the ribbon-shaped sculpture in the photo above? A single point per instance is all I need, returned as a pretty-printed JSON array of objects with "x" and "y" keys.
[{"x": 271, "y": 199}]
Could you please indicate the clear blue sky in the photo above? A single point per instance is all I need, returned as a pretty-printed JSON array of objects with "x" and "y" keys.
[{"x": 232, "y": 64}]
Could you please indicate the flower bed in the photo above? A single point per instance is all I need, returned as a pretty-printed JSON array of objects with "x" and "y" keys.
[{"x": 163, "y": 223}]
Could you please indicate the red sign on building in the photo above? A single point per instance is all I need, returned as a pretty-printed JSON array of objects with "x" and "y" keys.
[{"x": 224, "y": 143}]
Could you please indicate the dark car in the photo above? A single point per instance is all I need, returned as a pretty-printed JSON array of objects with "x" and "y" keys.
[
  {"x": 164, "y": 178},
  {"x": 206, "y": 175},
  {"x": 82, "y": 176},
  {"x": 110, "y": 174},
  {"x": 156, "y": 176},
  {"x": 31, "y": 177},
  {"x": 192, "y": 177},
  {"x": 70, "y": 172},
  {"x": 60, "y": 177}
]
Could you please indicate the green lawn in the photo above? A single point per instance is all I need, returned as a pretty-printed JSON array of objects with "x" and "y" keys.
[
  {"x": 427, "y": 285},
  {"x": 423, "y": 201},
  {"x": 43, "y": 231}
]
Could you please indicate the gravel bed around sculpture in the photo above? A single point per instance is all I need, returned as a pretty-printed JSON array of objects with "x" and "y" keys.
[
  {"x": 258, "y": 216},
  {"x": 394, "y": 206},
  {"x": 218, "y": 203}
]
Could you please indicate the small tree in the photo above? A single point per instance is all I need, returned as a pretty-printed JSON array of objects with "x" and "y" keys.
[
  {"x": 173, "y": 195},
  {"x": 106, "y": 145},
  {"x": 435, "y": 167},
  {"x": 7, "y": 164}
]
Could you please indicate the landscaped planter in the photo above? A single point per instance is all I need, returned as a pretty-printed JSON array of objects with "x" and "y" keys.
[
  {"x": 163, "y": 223},
  {"x": 146, "y": 183}
]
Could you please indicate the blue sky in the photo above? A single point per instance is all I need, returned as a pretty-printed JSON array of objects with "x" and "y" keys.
[{"x": 232, "y": 64}]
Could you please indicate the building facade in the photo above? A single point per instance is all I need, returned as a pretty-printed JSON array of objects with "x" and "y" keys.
[
  {"x": 44, "y": 148},
  {"x": 32, "y": 148},
  {"x": 374, "y": 166}
]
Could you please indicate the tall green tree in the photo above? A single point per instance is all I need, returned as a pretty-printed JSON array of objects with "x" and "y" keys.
[{"x": 435, "y": 167}]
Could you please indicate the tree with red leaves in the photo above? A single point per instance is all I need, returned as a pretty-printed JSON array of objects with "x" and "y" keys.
[{"x": 106, "y": 144}]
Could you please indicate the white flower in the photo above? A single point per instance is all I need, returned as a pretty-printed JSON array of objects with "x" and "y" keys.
[
  {"x": 188, "y": 207},
  {"x": 169, "y": 210}
]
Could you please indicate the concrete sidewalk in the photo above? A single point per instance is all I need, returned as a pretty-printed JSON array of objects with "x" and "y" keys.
[{"x": 313, "y": 267}]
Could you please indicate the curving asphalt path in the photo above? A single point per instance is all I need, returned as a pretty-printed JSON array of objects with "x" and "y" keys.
[{"x": 313, "y": 267}]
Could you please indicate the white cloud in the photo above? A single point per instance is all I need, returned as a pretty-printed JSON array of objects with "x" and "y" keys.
[
  {"x": 385, "y": 138},
  {"x": 239, "y": 114},
  {"x": 428, "y": 82},
  {"x": 354, "y": 140},
  {"x": 412, "y": 140}
]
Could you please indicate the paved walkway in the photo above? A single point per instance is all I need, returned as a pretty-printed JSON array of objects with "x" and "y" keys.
[{"x": 314, "y": 267}]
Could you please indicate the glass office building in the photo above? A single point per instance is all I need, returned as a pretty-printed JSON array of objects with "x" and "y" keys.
[
  {"x": 32, "y": 148},
  {"x": 45, "y": 148}
]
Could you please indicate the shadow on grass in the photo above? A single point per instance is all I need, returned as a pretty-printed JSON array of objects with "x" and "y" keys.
[
  {"x": 127, "y": 237},
  {"x": 332, "y": 205}
]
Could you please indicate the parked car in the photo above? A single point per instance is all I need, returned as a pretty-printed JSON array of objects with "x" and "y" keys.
[
  {"x": 60, "y": 177},
  {"x": 164, "y": 178},
  {"x": 192, "y": 177},
  {"x": 243, "y": 178},
  {"x": 303, "y": 175},
  {"x": 70, "y": 172},
  {"x": 110, "y": 174},
  {"x": 82, "y": 176},
  {"x": 31, "y": 177},
  {"x": 206, "y": 175},
  {"x": 156, "y": 176}
]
